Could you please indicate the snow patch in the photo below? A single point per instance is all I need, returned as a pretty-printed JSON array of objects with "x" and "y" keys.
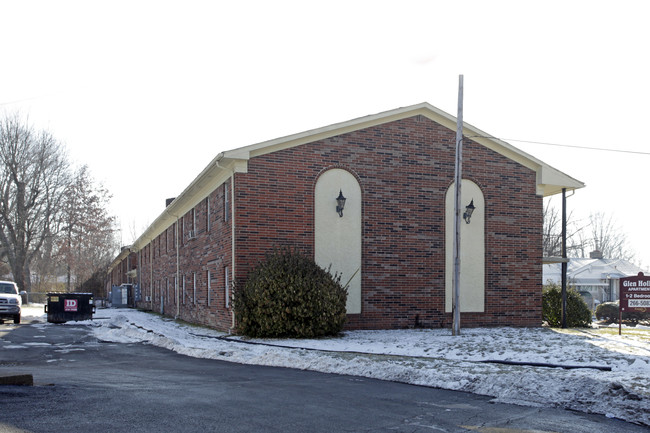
[{"x": 437, "y": 359}]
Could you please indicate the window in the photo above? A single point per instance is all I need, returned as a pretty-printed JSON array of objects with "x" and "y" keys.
[
  {"x": 191, "y": 224},
  {"x": 226, "y": 206},
  {"x": 207, "y": 213},
  {"x": 227, "y": 287},
  {"x": 209, "y": 286},
  {"x": 194, "y": 284},
  {"x": 183, "y": 289}
]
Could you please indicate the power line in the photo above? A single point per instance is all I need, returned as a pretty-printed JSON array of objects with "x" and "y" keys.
[
  {"x": 17, "y": 101},
  {"x": 636, "y": 152}
]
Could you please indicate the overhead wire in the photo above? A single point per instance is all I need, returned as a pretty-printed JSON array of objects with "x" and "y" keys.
[{"x": 636, "y": 152}]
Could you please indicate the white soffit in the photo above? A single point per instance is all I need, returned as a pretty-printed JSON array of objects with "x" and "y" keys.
[{"x": 549, "y": 180}]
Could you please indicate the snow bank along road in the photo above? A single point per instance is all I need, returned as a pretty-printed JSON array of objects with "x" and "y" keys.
[{"x": 612, "y": 375}]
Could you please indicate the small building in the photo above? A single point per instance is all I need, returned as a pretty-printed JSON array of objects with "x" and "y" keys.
[
  {"x": 596, "y": 278},
  {"x": 392, "y": 238}
]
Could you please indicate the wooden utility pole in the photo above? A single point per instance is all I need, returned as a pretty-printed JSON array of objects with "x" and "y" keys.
[
  {"x": 564, "y": 258},
  {"x": 459, "y": 169}
]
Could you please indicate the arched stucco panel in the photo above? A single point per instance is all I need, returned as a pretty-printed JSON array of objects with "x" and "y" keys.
[
  {"x": 337, "y": 240},
  {"x": 472, "y": 249}
]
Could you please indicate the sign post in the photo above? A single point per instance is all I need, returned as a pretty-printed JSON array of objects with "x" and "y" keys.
[{"x": 634, "y": 295}]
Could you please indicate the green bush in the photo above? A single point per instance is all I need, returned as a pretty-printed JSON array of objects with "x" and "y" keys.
[
  {"x": 608, "y": 313},
  {"x": 577, "y": 314},
  {"x": 289, "y": 295}
]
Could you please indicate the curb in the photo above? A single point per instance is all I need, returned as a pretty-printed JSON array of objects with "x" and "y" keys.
[{"x": 21, "y": 380}]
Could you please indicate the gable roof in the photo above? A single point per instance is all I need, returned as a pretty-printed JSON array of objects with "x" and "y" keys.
[
  {"x": 590, "y": 272},
  {"x": 550, "y": 181}
]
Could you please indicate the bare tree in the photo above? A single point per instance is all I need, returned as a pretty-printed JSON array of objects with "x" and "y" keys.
[
  {"x": 4, "y": 264},
  {"x": 86, "y": 243},
  {"x": 33, "y": 176},
  {"x": 602, "y": 234},
  {"x": 599, "y": 232},
  {"x": 552, "y": 233}
]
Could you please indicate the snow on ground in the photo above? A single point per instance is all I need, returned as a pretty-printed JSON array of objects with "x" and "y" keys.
[{"x": 481, "y": 361}]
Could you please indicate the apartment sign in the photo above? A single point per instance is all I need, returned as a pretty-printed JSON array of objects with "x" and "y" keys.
[{"x": 635, "y": 293}]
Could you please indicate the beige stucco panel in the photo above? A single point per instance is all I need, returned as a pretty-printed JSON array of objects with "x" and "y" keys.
[
  {"x": 338, "y": 239},
  {"x": 472, "y": 250}
]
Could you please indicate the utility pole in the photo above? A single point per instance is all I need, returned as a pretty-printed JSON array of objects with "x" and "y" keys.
[
  {"x": 459, "y": 169},
  {"x": 564, "y": 258}
]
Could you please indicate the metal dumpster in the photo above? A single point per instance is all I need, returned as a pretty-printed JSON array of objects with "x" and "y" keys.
[{"x": 63, "y": 307}]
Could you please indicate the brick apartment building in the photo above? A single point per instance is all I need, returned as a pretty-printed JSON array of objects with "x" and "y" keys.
[{"x": 393, "y": 237}]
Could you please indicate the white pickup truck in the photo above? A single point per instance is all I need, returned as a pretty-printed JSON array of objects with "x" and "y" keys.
[{"x": 10, "y": 301}]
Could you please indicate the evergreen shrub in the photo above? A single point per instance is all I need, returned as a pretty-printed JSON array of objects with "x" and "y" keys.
[
  {"x": 578, "y": 313},
  {"x": 289, "y": 295},
  {"x": 607, "y": 312}
]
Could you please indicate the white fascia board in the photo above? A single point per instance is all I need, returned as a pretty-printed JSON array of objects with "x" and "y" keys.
[
  {"x": 336, "y": 129},
  {"x": 121, "y": 256},
  {"x": 215, "y": 174},
  {"x": 549, "y": 180}
]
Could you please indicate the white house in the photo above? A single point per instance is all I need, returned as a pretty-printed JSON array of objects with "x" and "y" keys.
[{"x": 595, "y": 278}]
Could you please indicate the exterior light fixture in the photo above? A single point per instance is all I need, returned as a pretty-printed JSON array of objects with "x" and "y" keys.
[
  {"x": 467, "y": 216},
  {"x": 340, "y": 203}
]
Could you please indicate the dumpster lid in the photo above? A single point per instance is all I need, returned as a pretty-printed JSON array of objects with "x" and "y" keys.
[{"x": 68, "y": 293}]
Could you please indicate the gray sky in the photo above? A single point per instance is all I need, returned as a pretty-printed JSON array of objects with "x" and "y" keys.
[{"x": 148, "y": 92}]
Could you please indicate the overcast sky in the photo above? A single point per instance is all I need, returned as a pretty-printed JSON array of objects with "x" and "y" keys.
[{"x": 146, "y": 93}]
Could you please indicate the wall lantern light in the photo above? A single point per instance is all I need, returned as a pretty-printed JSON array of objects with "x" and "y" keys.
[
  {"x": 467, "y": 216},
  {"x": 340, "y": 203}
]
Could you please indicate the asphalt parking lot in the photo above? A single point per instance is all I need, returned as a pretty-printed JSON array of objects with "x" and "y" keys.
[{"x": 82, "y": 384}]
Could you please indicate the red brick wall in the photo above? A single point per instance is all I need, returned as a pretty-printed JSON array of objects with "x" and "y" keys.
[
  {"x": 404, "y": 169},
  {"x": 118, "y": 274},
  {"x": 208, "y": 250}
]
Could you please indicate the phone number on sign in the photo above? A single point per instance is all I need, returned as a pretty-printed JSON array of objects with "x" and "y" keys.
[{"x": 639, "y": 303}]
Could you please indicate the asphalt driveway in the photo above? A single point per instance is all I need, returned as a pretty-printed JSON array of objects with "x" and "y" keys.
[{"x": 85, "y": 385}]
